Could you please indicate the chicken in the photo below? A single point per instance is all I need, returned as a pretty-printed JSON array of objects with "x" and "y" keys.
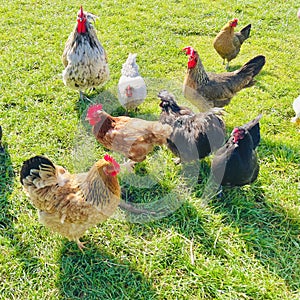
[
  {"x": 1, "y": 146},
  {"x": 236, "y": 163},
  {"x": 228, "y": 43},
  {"x": 132, "y": 89},
  {"x": 72, "y": 203},
  {"x": 206, "y": 90},
  {"x": 132, "y": 137},
  {"x": 296, "y": 107},
  {"x": 84, "y": 58},
  {"x": 194, "y": 136}
]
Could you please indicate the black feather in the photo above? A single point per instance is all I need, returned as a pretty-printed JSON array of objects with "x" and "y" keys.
[
  {"x": 33, "y": 163},
  {"x": 236, "y": 164},
  {"x": 194, "y": 136}
]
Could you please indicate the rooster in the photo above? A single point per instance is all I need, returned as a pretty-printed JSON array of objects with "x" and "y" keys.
[
  {"x": 84, "y": 58},
  {"x": 132, "y": 137},
  {"x": 206, "y": 90},
  {"x": 194, "y": 136},
  {"x": 72, "y": 203},
  {"x": 236, "y": 163},
  {"x": 132, "y": 89},
  {"x": 228, "y": 43},
  {"x": 296, "y": 107}
]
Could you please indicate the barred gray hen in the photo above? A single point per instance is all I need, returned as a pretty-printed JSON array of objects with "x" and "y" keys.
[{"x": 207, "y": 90}]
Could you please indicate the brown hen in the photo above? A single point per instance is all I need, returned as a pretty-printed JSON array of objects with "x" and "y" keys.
[
  {"x": 228, "y": 43},
  {"x": 132, "y": 137}
]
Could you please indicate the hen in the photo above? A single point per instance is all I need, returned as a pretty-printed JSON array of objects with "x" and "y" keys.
[
  {"x": 1, "y": 147},
  {"x": 132, "y": 137},
  {"x": 228, "y": 43},
  {"x": 194, "y": 136},
  {"x": 132, "y": 89},
  {"x": 236, "y": 163},
  {"x": 71, "y": 203},
  {"x": 206, "y": 90},
  {"x": 296, "y": 107},
  {"x": 84, "y": 57}
]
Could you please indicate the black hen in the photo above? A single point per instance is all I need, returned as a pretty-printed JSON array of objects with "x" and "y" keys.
[
  {"x": 194, "y": 136},
  {"x": 236, "y": 163},
  {"x": 1, "y": 147}
]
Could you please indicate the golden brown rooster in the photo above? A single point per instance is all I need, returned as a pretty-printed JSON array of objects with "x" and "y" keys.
[
  {"x": 84, "y": 57},
  {"x": 72, "y": 203},
  {"x": 228, "y": 43},
  {"x": 132, "y": 137},
  {"x": 207, "y": 90}
]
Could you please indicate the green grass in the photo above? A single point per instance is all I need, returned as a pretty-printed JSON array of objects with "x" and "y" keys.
[{"x": 243, "y": 246}]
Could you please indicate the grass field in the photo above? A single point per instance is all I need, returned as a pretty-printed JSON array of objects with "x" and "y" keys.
[{"x": 243, "y": 246}]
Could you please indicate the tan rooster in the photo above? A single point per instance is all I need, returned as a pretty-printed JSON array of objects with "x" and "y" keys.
[
  {"x": 84, "y": 58},
  {"x": 132, "y": 137},
  {"x": 207, "y": 90},
  {"x": 72, "y": 203},
  {"x": 228, "y": 43}
]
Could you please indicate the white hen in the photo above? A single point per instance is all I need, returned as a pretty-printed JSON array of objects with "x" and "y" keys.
[
  {"x": 132, "y": 89},
  {"x": 296, "y": 107}
]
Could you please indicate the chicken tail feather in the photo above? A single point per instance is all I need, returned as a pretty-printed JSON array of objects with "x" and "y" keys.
[
  {"x": 36, "y": 169},
  {"x": 253, "y": 66},
  {"x": 245, "y": 32}
]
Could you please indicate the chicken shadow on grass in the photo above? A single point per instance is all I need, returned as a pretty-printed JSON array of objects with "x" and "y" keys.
[
  {"x": 14, "y": 245},
  {"x": 6, "y": 187},
  {"x": 267, "y": 229},
  {"x": 97, "y": 274},
  {"x": 270, "y": 231}
]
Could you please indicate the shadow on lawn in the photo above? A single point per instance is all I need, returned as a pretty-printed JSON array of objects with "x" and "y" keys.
[
  {"x": 6, "y": 187},
  {"x": 96, "y": 274},
  {"x": 270, "y": 231}
]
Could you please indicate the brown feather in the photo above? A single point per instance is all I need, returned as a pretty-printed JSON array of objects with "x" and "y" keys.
[
  {"x": 70, "y": 203},
  {"x": 132, "y": 137}
]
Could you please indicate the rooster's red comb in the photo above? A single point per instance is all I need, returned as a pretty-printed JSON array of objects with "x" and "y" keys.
[
  {"x": 189, "y": 50},
  {"x": 93, "y": 109},
  {"x": 80, "y": 12},
  {"x": 113, "y": 161}
]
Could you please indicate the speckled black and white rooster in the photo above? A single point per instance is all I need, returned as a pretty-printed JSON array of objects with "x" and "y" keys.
[{"x": 84, "y": 58}]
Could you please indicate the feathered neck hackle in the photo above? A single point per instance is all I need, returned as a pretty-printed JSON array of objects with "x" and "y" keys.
[{"x": 195, "y": 67}]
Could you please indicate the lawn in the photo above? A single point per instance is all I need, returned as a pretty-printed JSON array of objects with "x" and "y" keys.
[{"x": 245, "y": 245}]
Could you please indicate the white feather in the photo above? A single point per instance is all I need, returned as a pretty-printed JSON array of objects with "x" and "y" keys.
[{"x": 132, "y": 89}]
